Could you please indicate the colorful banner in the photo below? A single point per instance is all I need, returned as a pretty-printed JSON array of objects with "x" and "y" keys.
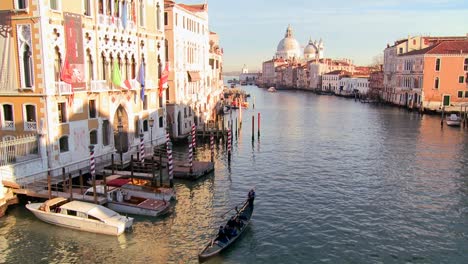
[{"x": 73, "y": 71}]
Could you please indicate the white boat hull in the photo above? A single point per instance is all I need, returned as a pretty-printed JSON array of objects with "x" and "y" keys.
[
  {"x": 78, "y": 223},
  {"x": 137, "y": 210},
  {"x": 453, "y": 122}
]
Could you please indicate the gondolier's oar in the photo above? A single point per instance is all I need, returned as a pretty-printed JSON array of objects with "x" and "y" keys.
[{"x": 231, "y": 209}]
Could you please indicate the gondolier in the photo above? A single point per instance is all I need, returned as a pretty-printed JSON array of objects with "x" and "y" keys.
[
  {"x": 251, "y": 197},
  {"x": 239, "y": 223}
]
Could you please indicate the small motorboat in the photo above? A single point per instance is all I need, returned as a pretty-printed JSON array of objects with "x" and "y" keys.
[
  {"x": 272, "y": 89},
  {"x": 218, "y": 244},
  {"x": 453, "y": 120},
  {"x": 127, "y": 202},
  {"x": 81, "y": 216}
]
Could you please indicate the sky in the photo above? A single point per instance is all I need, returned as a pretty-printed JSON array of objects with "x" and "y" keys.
[{"x": 250, "y": 30}]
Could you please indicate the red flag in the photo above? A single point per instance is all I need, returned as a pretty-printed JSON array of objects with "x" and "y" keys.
[
  {"x": 163, "y": 80},
  {"x": 127, "y": 84}
]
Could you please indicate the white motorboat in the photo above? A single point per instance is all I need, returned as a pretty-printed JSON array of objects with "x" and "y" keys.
[
  {"x": 453, "y": 120},
  {"x": 81, "y": 216},
  {"x": 272, "y": 89},
  {"x": 131, "y": 202}
]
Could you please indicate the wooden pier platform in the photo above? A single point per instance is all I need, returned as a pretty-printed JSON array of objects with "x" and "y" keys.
[
  {"x": 44, "y": 194},
  {"x": 200, "y": 169}
]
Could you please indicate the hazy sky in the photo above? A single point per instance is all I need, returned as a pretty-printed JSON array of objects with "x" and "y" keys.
[{"x": 250, "y": 30}]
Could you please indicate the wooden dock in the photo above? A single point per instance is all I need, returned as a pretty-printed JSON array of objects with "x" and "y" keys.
[
  {"x": 44, "y": 194},
  {"x": 199, "y": 169}
]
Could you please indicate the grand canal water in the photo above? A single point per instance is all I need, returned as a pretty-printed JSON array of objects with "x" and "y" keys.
[{"x": 337, "y": 181}]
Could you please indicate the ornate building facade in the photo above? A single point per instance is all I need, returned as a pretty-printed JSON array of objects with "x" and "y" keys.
[
  {"x": 79, "y": 73},
  {"x": 196, "y": 64}
]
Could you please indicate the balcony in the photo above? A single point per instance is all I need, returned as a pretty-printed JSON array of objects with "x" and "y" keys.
[
  {"x": 99, "y": 86},
  {"x": 30, "y": 126},
  {"x": 63, "y": 88},
  {"x": 8, "y": 125}
]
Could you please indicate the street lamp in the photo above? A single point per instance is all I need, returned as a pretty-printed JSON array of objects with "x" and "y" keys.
[
  {"x": 151, "y": 123},
  {"x": 120, "y": 129}
]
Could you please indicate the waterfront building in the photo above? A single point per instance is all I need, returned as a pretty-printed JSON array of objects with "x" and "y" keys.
[
  {"x": 349, "y": 86},
  {"x": 191, "y": 97},
  {"x": 302, "y": 76},
  {"x": 75, "y": 74},
  {"x": 404, "y": 74},
  {"x": 269, "y": 70},
  {"x": 246, "y": 78},
  {"x": 331, "y": 81},
  {"x": 317, "y": 68},
  {"x": 376, "y": 85}
]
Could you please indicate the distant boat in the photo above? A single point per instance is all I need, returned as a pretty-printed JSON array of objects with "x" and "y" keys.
[
  {"x": 453, "y": 120},
  {"x": 272, "y": 89},
  {"x": 81, "y": 216}
]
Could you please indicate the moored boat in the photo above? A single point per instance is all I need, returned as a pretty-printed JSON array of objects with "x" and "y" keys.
[
  {"x": 81, "y": 216},
  {"x": 123, "y": 201},
  {"x": 272, "y": 89},
  {"x": 216, "y": 245},
  {"x": 453, "y": 120}
]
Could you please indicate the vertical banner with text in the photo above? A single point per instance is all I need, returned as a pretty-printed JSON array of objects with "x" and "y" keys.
[{"x": 74, "y": 58}]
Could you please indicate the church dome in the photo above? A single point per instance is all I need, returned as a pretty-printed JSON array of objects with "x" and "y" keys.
[
  {"x": 310, "y": 49},
  {"x": 288, "y": 47}
]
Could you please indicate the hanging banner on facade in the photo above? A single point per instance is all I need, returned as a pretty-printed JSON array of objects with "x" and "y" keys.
[{"x": 73, "y": 71}]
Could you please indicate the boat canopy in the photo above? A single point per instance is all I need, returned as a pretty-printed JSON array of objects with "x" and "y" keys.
[{"x": 95, "y": 210}]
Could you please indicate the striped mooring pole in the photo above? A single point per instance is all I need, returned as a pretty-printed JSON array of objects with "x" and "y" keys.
[
  {"x": 142, "y": 148},
  {"x": 190, "y": 156},
  {"x": 170, "y": 167},
  {"x": 92, "y": 162},
  {"x": 194, "y": 138},
  {"x": 212, "y": 146},
  {"x": 229, "y": 145},
  {"x": 92, "y": 170}
]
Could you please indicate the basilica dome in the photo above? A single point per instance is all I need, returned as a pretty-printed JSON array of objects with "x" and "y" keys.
[
  {"x": 310, "y": 51},
  {"x": 288, "y": 47}
]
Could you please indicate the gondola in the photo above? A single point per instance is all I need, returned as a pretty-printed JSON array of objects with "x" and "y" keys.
[{"x": 215, "y": 246}]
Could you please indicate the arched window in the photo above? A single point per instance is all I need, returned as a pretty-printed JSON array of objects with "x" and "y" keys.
[
  {"x": 145, "y": 125},
  {"x": 133, "y": 67},
  {"x": 93, "y": 138},
  {"x": 89, "y": 63},
  {"x": 103, "y": 66},
  {"x": 27, "y": 66},
  {"x": 30, "y": 117},
  {"x": 57, "y": 64},
  {"x": 7, "y": 117},
  {"x": 125, "y": 68},
  {"x": 437, "y": 64},
  {"x": 436, "y": 83},
  {"x": 63, "y": 142}
]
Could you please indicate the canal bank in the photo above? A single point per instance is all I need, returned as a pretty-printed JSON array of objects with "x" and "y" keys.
[{"x": 336, "y": 181}]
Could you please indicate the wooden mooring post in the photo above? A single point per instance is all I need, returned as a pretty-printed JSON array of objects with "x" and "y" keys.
[
  {"x": 104, "y": 180},
  {"x": 253, "y": 128},
  {"x": 63, "y": 180},
  {"x": 160, "y": 168},
  {"x": 81, "y": 181},
  {"x": 49, "y": 185},
  {"x": 258, "y": 126},
  {"x": 70, "y": 185},
  {"x": 442, "y": 117},
  {"x": 112, "y": 164}
]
